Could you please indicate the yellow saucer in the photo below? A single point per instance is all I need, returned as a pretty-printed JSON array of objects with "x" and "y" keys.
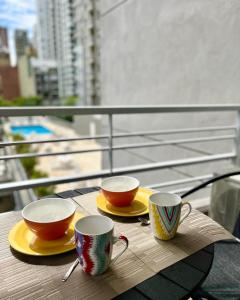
[
  {"x": 138, "y": 207},
  {"x": 25, "y": 241}
]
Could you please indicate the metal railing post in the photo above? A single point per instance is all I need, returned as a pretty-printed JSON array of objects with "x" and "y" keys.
[
  {"x": 237, "y": 140},
  {"x": 110, "y": 142}
]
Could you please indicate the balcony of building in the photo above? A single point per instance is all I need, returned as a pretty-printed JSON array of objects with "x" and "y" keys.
[
  {"x": 161, "y": 146},
  {"x": 167, "y": 159}
]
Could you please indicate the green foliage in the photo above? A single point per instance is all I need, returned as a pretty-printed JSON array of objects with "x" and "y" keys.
[
  {"x": 29, "y": 165},
  {"x": 4, "y": 102},
  {"x": 70, "y": 101},
  {"x": 22, "y": 101},
  {"x": 17, "y": 137},
  {"x": 38, "y": 174},
  {"x": 68, "y": 118},
  {"x": 20, "y": 148},
  {"x": 42, "y": 190},
  {"x": 28, "y": 101}
]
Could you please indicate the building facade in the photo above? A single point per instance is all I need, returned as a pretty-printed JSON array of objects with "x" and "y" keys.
[
  {"x": 4, "y": 50},
  {"x": 26, "y": 74},
  {"x": 45, "y": 30},
  {"x": 64, "y": 47},
  {"x": 54, "y": 39},
  {"x": 67, "y": 32},
  {"x": 87, "y": 50},
  {"x": 21, "y": 42},
  {"x": 38, "y": 78},
  {"x": 170, "y": 53},
  {"x": 3, "y": 38},
  {"x": 46, "y": 80},
  {"x": 9, "y": 82}
]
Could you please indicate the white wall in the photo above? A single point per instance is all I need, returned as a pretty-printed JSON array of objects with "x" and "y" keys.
[{"x": 171, "y": 52}]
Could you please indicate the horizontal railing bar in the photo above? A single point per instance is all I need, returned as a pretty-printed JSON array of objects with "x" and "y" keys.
[
  {"x": 175, "y": 163},
  {"x": 25, "y": 184},
  {"x": 103, "y": 110},
  {"x": 120, "y": 135},
  {"x": 181, "y": 181},
  {"x": 180, "y": 191},
  {"x": 12, "y": 186},
  {"x": 28, "y": 142},
  {"x": 172, "y": 131},
  {"x": 120, "y": 147},
  {"x": 43, "y": 154},
  {"x": 183, "y": 190},
  {"x": 174, "y": 142}
]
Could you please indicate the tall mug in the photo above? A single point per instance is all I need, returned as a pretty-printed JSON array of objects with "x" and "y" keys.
[
  {"x": 164, "y": 213},
  {"x": 94, "y": 242}
]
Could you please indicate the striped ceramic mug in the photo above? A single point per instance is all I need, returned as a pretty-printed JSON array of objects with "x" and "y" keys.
[
  {"x": 94, "y": 241},
  {"x": 164, "y": 213}
]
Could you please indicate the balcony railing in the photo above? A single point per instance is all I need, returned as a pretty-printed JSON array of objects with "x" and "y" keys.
[{"x": 110, "y": 136}]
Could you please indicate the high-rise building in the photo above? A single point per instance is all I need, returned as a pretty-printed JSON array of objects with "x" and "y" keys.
[
  {"x": 86, "y": 50},
  {"x": 21, "y": 42},
  {"x": 45, "y": 30},
  {"x": 55, "y": 40},
  {"x": 9, "y": 84},
  {"x": 4, "y": 50},
  {"x": 38, "y": 77},
  {"x": 46, "y": 80},
  {"x": 26, "y": 77},
  {"x": 65, "y": 42},
  {"x": 3, "y": 38},
  {"x": 67, "y": 31}
]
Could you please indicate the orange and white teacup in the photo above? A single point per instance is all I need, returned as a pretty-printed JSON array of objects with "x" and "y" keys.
[
  {"x": 120, "y": 190},
  {"x": 49, "y": 218}
]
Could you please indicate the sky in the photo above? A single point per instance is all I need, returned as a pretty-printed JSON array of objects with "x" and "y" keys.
[{"x": 17, "y": 14}]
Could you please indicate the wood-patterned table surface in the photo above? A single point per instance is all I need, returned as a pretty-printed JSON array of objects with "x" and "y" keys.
[{"x": 27, "y": 277}]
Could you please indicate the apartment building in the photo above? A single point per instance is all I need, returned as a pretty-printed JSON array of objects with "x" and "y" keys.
[
  {"x": 67, "y": 31},
  {"x": 21, "y": 42},
  {"x": 87, "y": 50},
  {"x": 64, "y": 34},
  {"x": 38, "y": 77},
  {"x": 54, "y": 40},
  {"x": 45, "y": 30},
  {"x": 4, "y": 50},
  {"x": 9, "y": 82},
  {"x": 46, "y": 80}
]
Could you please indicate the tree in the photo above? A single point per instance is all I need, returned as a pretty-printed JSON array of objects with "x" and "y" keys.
[
  {"x": 22, "y": 101},
  {"x": 4, "y": 102},
  {"x": 70, "y": 101},
  {"x": 28, "y": 101},
  {"x": 42, "y": 190},
  {"x": 29, "y": 165}
]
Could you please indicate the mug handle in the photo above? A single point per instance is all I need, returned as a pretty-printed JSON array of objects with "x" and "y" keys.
[
  {"x": 125, "y": 241},
  {"x": 187, "y": 214}
]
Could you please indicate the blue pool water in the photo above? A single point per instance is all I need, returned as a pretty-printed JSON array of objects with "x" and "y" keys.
[{"x": 30, "y": 129}]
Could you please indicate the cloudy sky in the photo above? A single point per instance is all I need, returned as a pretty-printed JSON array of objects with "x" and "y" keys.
[{"x": 17, "y": 14}]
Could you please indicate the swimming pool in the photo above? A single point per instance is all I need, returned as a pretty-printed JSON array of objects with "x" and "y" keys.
[{"x": 30, "y": 129}]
